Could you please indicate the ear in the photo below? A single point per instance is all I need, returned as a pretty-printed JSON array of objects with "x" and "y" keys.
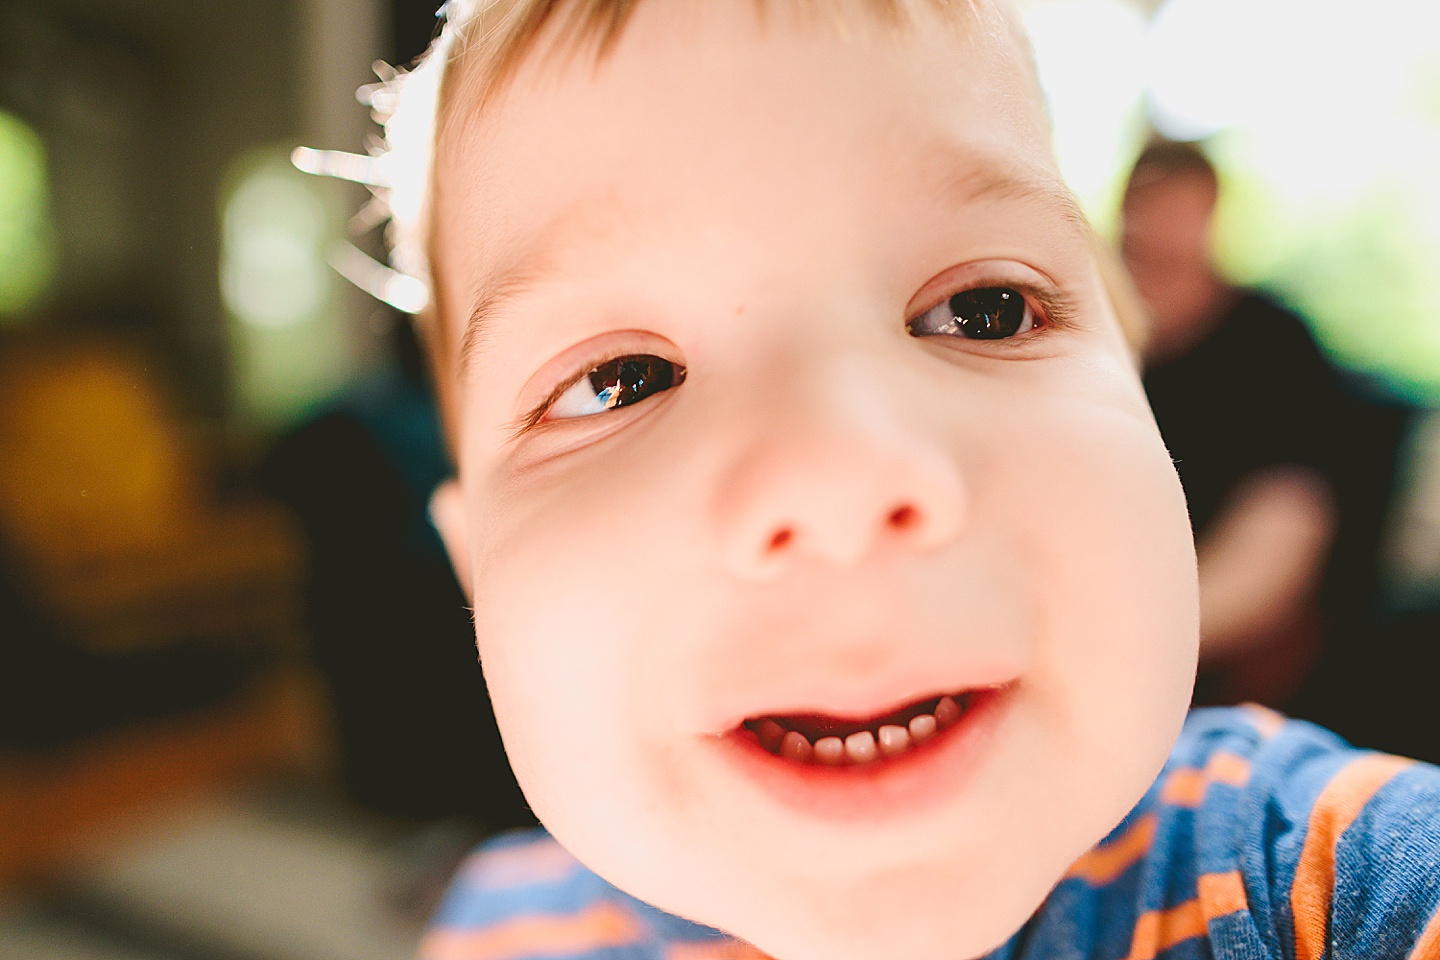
[{"x": 447, "y": 512}]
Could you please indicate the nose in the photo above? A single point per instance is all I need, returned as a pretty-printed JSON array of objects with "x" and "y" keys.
[{"x": 836, "y": 489}]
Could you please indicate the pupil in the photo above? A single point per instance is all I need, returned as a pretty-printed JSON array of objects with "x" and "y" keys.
[
  {"x": 632, "y": 378},
  {"x": 992, "y": 313}
]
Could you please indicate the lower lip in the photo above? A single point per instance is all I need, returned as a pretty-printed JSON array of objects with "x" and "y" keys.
[{"x": 922, "y": 777}]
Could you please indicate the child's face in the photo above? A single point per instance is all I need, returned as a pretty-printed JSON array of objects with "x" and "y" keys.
[{"x": 811, "y": 495}]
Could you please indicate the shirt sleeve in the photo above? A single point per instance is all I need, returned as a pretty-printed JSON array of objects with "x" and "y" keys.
[
  {"x": 1340, "y": 849},
  {"x": 1366, "y": 882},
  {"x": 1263, "y": 839}
]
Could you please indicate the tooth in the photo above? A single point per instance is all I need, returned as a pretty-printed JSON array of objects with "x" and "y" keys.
[
  {"x": 770, "y": 734},
  {"x": 946, "y": 712},
  {"x": 860, "y": 747},
  {"x": 794, "y": 746},
  {"x": 830, "y": 750},
  {"x": 922, "y": 727},
  {"x": 893, "y": 739}
]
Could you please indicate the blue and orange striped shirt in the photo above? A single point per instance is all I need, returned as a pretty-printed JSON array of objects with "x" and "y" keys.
[{"x": 1262, "y": 839}]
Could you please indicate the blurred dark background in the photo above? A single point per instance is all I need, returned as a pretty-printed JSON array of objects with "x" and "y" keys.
[{"x": 240, "y": 712}]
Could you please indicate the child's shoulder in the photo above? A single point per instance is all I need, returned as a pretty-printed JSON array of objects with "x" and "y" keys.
[
  {"x": 1286, "y": 777},
  {"x": 1263, "y": 837},
  {"x": 522, "y": 895}
]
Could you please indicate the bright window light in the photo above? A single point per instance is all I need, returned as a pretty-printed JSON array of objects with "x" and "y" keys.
[
  {"x": 1322, "y": 116},
  {"x": 27, "y": 239},
  {"x": 273, "y": 272},
  {"x": 1090, "y": 58},
  {"x": 1206, "y": 61},
  {"x": 293, "y": 334}
]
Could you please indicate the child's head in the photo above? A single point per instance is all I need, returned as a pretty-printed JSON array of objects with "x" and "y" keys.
[{"x": 787, "y": 400}]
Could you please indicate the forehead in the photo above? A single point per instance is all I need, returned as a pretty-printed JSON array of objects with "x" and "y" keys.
[{"x": 712, "y": 116}]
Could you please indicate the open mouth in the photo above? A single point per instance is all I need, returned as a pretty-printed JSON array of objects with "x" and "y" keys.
[{"x": 835, "y": 742}]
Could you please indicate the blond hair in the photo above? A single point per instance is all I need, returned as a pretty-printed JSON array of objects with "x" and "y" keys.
[{"x": 478, "y": 49}]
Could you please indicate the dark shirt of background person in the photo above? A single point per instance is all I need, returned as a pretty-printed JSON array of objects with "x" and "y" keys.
[{"x": 1288, "y": 470}]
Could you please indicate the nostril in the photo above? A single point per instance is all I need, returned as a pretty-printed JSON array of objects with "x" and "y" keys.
[
  {"x": 903, "y": 518},
  {"x": 781, "y": 539}
]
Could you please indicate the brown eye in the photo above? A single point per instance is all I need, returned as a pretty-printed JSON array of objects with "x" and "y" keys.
[
  {"x": 616, "y": 383},
  {"x": 987, "y": 313}
]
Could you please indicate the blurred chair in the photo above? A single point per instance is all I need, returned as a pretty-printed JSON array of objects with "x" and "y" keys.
[
  {"x": 104, "y": 504},
  {"x": 145, "y": 625}
]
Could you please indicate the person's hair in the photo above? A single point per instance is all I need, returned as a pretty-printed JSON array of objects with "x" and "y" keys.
[
  {"x": 478, "y": 49},
  {"x": 1163, "y": 160}
]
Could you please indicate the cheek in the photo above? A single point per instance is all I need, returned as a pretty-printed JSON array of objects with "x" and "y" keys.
[
  {"x": 578, "y": 589},
  {"x": 1119, "y": 610}
]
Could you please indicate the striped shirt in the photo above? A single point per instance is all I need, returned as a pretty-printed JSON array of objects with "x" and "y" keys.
[{"x": 1262, "y": 839}]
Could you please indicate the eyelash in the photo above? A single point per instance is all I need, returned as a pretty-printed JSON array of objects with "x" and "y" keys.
[
  {"x": 1057, "y": 308},
  {"x": 537, "y": 414}
]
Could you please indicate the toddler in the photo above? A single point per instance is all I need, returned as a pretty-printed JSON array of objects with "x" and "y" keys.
[{"x": 834, "y": 588}]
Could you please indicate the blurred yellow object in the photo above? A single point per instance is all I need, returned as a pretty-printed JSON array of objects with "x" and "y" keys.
[{"x": 104, "y": 505}]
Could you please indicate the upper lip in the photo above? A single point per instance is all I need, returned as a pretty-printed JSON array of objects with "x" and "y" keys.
[
  {"x": 856, "y": 699},
  {"x": 815, "y": 727}
]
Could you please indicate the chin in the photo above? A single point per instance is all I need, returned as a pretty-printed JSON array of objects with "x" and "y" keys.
[
  {"x": 916, "y": 934},
  {"x": 923, "y": 912}
]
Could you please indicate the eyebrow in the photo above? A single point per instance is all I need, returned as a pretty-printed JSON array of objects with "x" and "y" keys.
[
  {"x": 961, "y": 175},
  {"x": 535, "y": 263},
  {"x": 966, "y": 176},
  {"x": 495, "y": 291}
]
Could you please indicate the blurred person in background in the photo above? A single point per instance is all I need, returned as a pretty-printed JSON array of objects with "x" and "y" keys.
[
  {"x": 1288, "y": 473},
  {"x": 389, "y": 626}
]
